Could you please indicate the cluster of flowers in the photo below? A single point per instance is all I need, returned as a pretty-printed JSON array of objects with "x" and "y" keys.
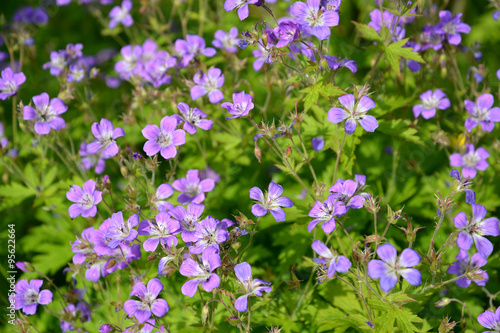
[{"x": 70, "y": 63}]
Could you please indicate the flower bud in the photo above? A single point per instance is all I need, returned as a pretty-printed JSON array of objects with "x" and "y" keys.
[{"x": 443, "y": 302}]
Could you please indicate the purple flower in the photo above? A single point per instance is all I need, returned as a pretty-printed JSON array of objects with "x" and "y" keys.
[
  {"x": 462, "y": 186},
  {"x": 149, "y": 303},
  {"x": 325, "y": 212},
  {"x": 333, "y": 5},
  {"x": 330, "y": 262},
  {"x": 85, "y": 200},
  {"x": 28, "y": 296},
  {"x": 10, "y": 82},
  {"x": 74, "y": 51},
  {"x": 46, "y": 113},
  {"x": 57, "y": 62},
  {"x": 155, "y": 70},
  {"x": 77, "y": 73},
  {"x": 3, "y": 140},
  {"x": 287, "y": 32},
  {"x": 209, "y": 173},
  {"x": 251, "y": 287},
  {"x": 242, "y": 6},
  {"x": 210, "y": 259},
  {"x": 344, "y": 191},
  {"x": 431, "y": 37},
  {"x": 496, "y": 15},
  {"x": 83, "y": 246},
  {"x": 208, "y": 84},
  {"x": 452, "y": 26},
  {"x": 226, "y": 41},
  {"x": 193, "y": 189},
  {"x": 105, "y": 139},
  {"x": 318, "y": 143},
  {"x": 354, "y": 112},
  {"x": 482, "y": 113},
  {"x": 121, "y": 231},
  {"x": 334, "y": 63},
  {"x": 388, "y": 20},
  {"x": 163, "y": 192},
  {"x": 464, "y": 264},
  {"x": 193, "y": 118},
  {"x": 391, "y": 267},
  {"x": 490, "y": 320},
  {"x": 163, "y": 139},
  {"x": 271, "y": 202},
  {"x": 90, "y": 160},
  {"x": 241, "y": 106},
  {"x": 188, "y": 220},
  {"x": 431, "y": 100},
  {"x": 130, "y": 64},
  {"x": 473, "y": 230},
  {"x": 472, "y": 160},
  {"x": 146, "y": 328},
  {"x": 162, "y": 231},
  {"x": 192, "y": 47},
  {"x": 210, "y": 233},
  {"x": 314, "y": 20},
  {"x": 262, "y": 56},
  {"x": 121, "y": 14}
]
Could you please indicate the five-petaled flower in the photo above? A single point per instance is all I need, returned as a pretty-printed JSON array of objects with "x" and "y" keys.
[
  {"x": 241, "y": 105},
  {"x": 163, "y": 139},
  {"x": 242, "y": 6},
  {"x": 28, "y": 296},
  {"x": 482, "y": 113},
  {"x": 210, "y": 260},
  {"x": 272, "y": 202},
  {"x": 354, "y": 112},
  {"x": 46, "y": 113},
  {"x": 121, "y": 231},
  {"x": 193, "y": 189},
  {"x": 149, "y": 303},
  {"x": 330, "y": 261},
  {"x": 251, "y": 287},
  {"x": 473, "y": 230},
  {"x": 391, "y": 267},
  {"x": 471, "y": 160},
  {"x": 105, "y": 136},
  {"x": 313, "y": 19},
  {"x": 464, "y": 264},
  {"x": 490, "y": 320},
  {"x": 163, "y": 231},
  {"x": 85, "y": 199},
  {"x": 193, "y": 118},
  {"x": 325, "y": 212},
  {"x": 431, "y": 100},
  {"x": 121, "y": 14},
  {"x": 208, "y": 83},
  {"x": 9, "y": 82}
]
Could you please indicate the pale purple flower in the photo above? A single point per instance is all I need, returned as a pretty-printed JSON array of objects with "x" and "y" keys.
[
  {"x": 72, "y": 313},
  {"x": 193, "y": 118},
  {"x": 391, "y": 267},
  {"x": 388, "y": 20},
  {"x": 162, "y": 231},
  {"x": 130, "y": 65},
  {"x": 193, "y": 189},
  {"x": 287, "y": 32},
  {"x": 147, "y": 328},
  {"x": 163, "y": 192},
  {"x": 251, "y": 287},
  {"x": 85, "y": 200},
  {"x": 210, "y": 233},
  {"x": 314, "y": 20},
  {"x": 241, "y": 106},
  {"x": 262, "y": 56},
  {"x": 76, "y": 73},
  {"x": 105, "y": 135},
  {"x": 192, "y": 47},
  {"x": 272, "y": 202},
  {"x": 188, "y": 218},
  {"x": 482, "y": 113},
  {"x": 345, "y": 192},
  {"x": 241, "y": 5},
  {"x": 490, "y": 320},
  {"x": 209, "y": 173},
  {"x": 431, "y": 37},
  {"x": 226, "y": 40},
  {"x": 336, "y": 63},
  {"x": 155, "y": 70},
  {"x": 462, "y": 186},
  {"x": 210, "y": 260},
  {"x": 325, "y": 212},
  {"x": 121, "y": 14},
  {"x": 473, "y": 230},
  {"x": 333, "y": 5},
  {"x": 318, "y": 143},
  {"x": 163, "y": 139},
  {"x": 472, "y": 265},
  {"x": 471, "y": 160},
  {"x": 3, "y": 140},
  {"x": 83, "y": 246},
  {"x": 120, "y": 231},
  {"x": 149, "y": 302},
  {"x": 10, "y": 82},
  {"x": 208, "y": 84},
  {"x": 28, "y": 296},
  {"x": 74, "y": 51},
  {"x": 431, "y": 100},
  {"x": 354, "y": 112},
  {"x": 452, "y": 26},
  {"x": 91, "y": 160},
  {"x": 331, "y": 262},
  {"x": 46, "y": 113},
  {"x": 57, "y": 62}
]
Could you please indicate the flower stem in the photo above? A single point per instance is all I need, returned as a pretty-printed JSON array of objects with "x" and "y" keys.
[{"x": 338, "y": 158}]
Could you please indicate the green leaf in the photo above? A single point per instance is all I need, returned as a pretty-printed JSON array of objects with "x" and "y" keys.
[
  {"x": 399, "y": 297},
  {"x": 400, "y": 128},
  {"x": 348, "y": 156},
  {"x": 391, "y": 314},
  {"x": 16, "y": 190},
  {"x": 327, "y": 90},
  {"x": 312, "y": 95},
  {"x": 368, "y": 32},
  {"x": 395, "y": 51}
]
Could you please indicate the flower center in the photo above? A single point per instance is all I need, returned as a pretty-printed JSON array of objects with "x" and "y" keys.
[
  {"x": 164, "y": 139},
  {"x": 87, "y": 201},
  {"x": 471, "y": 160},
  {"x": 31, "y": 297}
]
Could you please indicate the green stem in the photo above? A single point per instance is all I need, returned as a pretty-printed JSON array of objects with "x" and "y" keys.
[{"x": 338, "y": 158}]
